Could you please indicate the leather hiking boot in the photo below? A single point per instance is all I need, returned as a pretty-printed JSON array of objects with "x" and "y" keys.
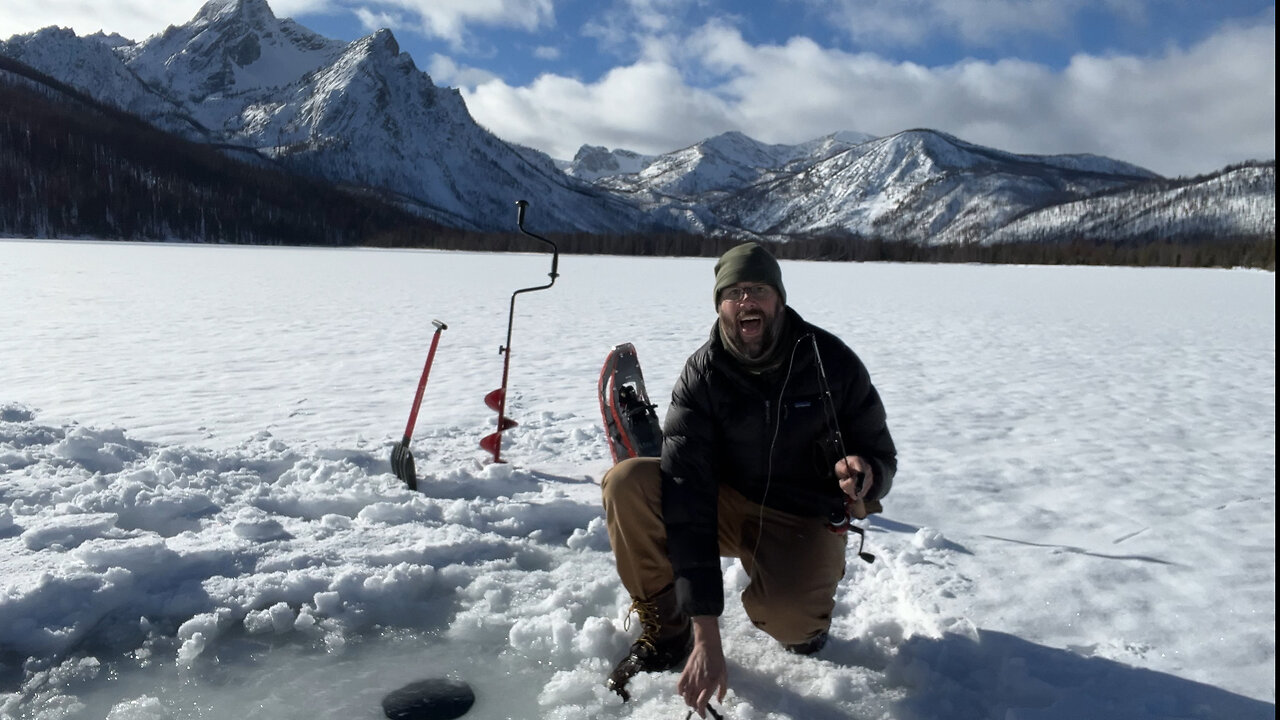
[
  {"x": 666, "y": 638},
  {"x": 810, "y": 646}
]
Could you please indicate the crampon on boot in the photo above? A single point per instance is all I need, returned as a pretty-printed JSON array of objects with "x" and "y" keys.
[{"x": 666, "y": 638}]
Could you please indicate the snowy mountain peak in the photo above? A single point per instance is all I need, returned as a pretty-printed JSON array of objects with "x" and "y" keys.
[
  {"x": 593, "y": 162},
  {"x": 253, "y": 12},
  {"x": 726, "y": 162},
  {"x": 114, "y": 40},
  {"x": 737, "y": 148},
  {"x": 93, "y": 65},
  {"x": 850, "y": 137},
  {"x": 729, "y": 139},
  {"x": 230, "y": 47},
  {"x": 358, "y": 113},
  {"x": 949, "y": 151},
  {"x": 922, "y": 184},
  {"x": 379, "y": 42},
  {"x": 48, "y": 41}
]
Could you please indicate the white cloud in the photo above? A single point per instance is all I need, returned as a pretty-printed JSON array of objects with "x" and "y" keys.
[
  {"x": 1191, "y": 110},
  {"x": 448, "y": 19},
  {"x": 1184, "y": 112},
  {"x": 654, "y": 16},
  {"x": 134, "y": 19},
  {"x": 137, "y": 19},
  {"x": 884, "y": 23},
  {"x": 445, "y": 72},
  {"x": 370, "y": 20},
  {"x": 627, "y": 19},
  {"x": 643, "y": 29},
  {"x": 645, "y": 106}
]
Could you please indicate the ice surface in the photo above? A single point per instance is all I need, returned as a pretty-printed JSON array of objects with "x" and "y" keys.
[{"x": 198, "y": 519}]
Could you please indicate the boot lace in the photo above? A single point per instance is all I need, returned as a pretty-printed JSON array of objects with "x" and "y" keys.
[{"x": 649, "y": 621}]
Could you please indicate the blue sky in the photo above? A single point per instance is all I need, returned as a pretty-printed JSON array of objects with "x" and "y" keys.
[
  {"x": 1178, "y": 86},
  {"x": 586, "y": 38}
]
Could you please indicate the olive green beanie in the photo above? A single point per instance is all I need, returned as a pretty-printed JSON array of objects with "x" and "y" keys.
[{"x": 748, "y": 262}]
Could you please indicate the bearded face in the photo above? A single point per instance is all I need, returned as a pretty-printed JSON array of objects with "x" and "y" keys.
[{"x": 749, "y": 316}]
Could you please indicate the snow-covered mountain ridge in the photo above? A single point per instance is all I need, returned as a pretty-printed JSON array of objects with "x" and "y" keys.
[
  {"x": 918, "y": 185},
  {"x": 362, "y": 114},
  {"x": 1237, "y": 202},
  {"x": 357, "y": 113}
]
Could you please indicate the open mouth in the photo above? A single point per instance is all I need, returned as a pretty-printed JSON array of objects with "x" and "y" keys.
[{"x": 751, "y": 324}]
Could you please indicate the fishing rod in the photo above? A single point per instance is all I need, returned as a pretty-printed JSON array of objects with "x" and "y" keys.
[{"x": 841, "y": 520}]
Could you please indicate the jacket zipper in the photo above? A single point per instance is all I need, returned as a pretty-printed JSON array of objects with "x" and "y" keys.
[{"x": 767, "y": 447}]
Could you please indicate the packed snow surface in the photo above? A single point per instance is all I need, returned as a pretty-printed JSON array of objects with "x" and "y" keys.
[{"x": 198, "y": 518}]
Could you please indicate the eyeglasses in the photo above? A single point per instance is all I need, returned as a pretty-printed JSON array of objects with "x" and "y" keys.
[{"x": 755, "y": 292}]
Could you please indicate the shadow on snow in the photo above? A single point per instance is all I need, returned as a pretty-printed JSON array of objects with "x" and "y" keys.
[{"x": 1003, "y": 676}]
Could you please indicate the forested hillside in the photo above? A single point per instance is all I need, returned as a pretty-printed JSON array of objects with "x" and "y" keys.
[{"x": 72, "y": 167}]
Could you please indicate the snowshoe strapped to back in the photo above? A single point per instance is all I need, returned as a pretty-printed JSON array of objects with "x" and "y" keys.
[{"x": 630, "y": 420}]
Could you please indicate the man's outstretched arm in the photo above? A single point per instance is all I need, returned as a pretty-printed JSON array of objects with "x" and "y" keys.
[{"x": 705, "y": 673}]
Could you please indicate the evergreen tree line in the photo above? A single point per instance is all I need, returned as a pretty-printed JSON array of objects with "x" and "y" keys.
[
  {"x": 1204, "y": 251},
  {"x": 72, "y": 167},
  {"x": 1208, "y": 251}
]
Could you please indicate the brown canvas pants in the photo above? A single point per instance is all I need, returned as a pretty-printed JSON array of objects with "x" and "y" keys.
[{"x": 794, "y": 567}]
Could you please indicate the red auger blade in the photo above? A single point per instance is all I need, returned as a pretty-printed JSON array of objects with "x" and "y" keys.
[{"x": 494, "y": 400}]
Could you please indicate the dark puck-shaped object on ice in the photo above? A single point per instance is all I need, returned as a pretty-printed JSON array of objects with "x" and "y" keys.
[{"x": 434, "y": 699}]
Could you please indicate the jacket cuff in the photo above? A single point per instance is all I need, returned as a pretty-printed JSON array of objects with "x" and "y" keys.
[
  {"x": 882, "y": 482},
  {"x": 700, "y": 591}
]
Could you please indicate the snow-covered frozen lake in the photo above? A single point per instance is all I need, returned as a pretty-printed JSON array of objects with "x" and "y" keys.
[{"x": 198, "y": 519}]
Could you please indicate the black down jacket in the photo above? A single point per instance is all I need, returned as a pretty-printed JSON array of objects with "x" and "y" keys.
[{"x": 753, "y": 432}]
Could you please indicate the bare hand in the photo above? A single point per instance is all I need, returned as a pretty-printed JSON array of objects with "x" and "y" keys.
[
  {"x": 855, "y": 475},
  {"x": 705, "y": 673}
]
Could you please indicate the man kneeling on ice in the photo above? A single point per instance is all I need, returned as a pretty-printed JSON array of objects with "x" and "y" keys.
[{"x": 774, "y": 436}]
